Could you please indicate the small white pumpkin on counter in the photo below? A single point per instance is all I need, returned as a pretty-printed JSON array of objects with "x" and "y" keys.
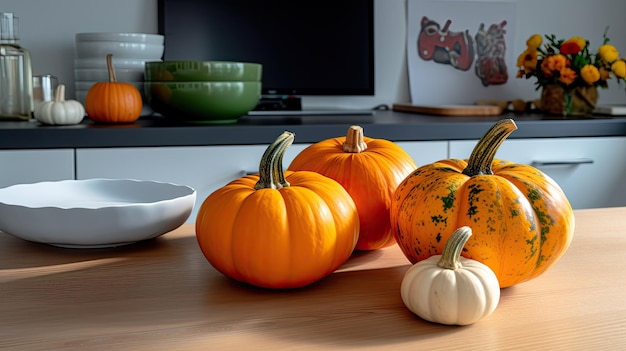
[
  {"x": 451, "y": 289},
  {"x": 59, "y": 111}
]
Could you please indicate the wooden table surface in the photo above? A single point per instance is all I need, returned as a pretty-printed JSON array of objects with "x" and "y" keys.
[{"x": 163, "y": 295}]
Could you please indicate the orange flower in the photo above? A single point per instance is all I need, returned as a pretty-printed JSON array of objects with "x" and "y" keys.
[
  {"x": 608, "y": 53},
  {"x": 590, "y": 74},
  {"x": 570, "y": 63},
  {"x": 554, "y": 63},
  {"x": 619, "y": 68},
  {"x": 572, "y": 46},
  {"x": 567, "y": 76}
]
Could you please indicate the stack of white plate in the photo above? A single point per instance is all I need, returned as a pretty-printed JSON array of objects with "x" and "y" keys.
[{"x": 130, "y": 53}]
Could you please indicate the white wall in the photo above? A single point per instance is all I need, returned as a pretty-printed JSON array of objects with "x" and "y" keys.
[{"x": 48, "y": 27}]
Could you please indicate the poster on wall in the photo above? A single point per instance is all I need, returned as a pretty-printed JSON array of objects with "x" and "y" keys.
[{"x": 460, "y": 52}]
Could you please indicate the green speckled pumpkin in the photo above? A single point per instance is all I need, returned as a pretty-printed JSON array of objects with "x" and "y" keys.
[{"x": 521, "y": 219}]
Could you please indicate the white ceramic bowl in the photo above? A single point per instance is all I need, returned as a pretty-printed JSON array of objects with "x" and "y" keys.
[
  {"x": 84, "y": 85},
  {"x": 94, "y": 213},
  {"x": 146, "y": 110},
  {"x": 126, "y": 37},
  {"x": 118, "y": 63},
  {"x": 119, "y": 49},
  {"x": 102, "y": 74}
]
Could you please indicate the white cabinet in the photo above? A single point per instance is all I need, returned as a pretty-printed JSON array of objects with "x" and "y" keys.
[
  {"x": 204, "y": 168},
  {"x": 589, "y": 170},
  {"x": 31, "y": 166},
  {"x": 425, "y": 152}
]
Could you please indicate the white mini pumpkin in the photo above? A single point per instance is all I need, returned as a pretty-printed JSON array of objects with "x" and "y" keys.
[
  {"x": 59, "y": 111},
  {"x": 450, "y": 289}
]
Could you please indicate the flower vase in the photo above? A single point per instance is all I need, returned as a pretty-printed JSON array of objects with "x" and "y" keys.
[{"x": 576, "y": 101}]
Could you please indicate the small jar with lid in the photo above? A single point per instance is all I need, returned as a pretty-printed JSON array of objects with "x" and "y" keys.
[{"x": 16, "y": 93}]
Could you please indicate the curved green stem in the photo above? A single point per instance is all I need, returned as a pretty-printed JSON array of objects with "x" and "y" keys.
[
  {"x": 271, "y": 174},
  {"x": 451, "y": 254},
  {"x": 484, "y": 152}
]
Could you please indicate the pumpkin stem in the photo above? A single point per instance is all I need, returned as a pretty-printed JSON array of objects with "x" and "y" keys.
[
  {"x": 354, "y": 140},
  {"x": 451, "y": 254},
  {"x": 112, "y": 77},
  {"x": 484, "y": 152},
  {"x": 59, "y": 94},
  {"x": 271, "y": 174}
]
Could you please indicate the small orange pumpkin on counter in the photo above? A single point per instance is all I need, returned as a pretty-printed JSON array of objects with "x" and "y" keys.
[
  {"x": 278, "y": 229},
  {"x": 113, "y": 101},
  {"x": 370, "y": 170},
  {"x": 521, "y": 220}
]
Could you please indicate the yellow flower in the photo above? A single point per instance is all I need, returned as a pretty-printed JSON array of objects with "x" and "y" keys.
[
  {"x": 534, "y": 41},
  {"x": 619, "y": 68},
  {"x": 604, "y": 73},
  {"x": 590, "y": 74},
  {"x": 570, "y": 63},
  {"x": 527, "y": 60},
  {"x": 572, "y": 45},
  {"x": 608, "y": 53},
  {"x": 567, "y": 75}
]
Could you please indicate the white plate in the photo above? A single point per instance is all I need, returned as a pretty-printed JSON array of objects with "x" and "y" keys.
[{"x": 94, "y": 213}]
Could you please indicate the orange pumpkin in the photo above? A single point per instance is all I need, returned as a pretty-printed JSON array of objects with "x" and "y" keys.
[
  {"x": 278, "y": 229},
  {"x": 113, "y": 101},
  {"x": 370, "y": 170},
  {"x": 521, "y": 219}
]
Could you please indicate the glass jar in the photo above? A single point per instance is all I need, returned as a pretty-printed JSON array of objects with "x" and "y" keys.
[{"x": 16, "y": 92}]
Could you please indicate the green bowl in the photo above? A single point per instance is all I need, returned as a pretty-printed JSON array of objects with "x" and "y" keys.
[
  {"x": 203, "y": 102},
  {"x": 196, "y": 71}
]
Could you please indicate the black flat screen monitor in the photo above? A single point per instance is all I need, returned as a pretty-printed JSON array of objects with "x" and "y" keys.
[{"x": 306, "y": 47}]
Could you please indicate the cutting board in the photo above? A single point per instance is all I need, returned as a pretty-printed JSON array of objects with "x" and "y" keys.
[{"x": 450, "y": 110}]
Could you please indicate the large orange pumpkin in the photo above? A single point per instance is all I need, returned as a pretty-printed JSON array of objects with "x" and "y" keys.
[
  {"x": 113, "y": 101},
  {"x": 278, "y": 229},
  {"x": 521, "y": 219},
  {"x": 370, "y": 170}
]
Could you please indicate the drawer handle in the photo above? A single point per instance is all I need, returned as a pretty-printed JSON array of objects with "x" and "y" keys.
[{"x": 576, "y": 162}]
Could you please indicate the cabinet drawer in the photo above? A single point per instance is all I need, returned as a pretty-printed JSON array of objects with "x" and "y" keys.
[
  {"x": 31, "y": 166},
  {"x": 589, "y": 170},
  {"x": 204, "y": 168},
  {"x": 425, "y": 152}
]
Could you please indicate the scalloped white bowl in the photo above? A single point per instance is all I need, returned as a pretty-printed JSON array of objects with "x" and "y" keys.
[
  {"x": 85, "y": 85},
  {"x": 94, "y": 213},
  {"x": 102, "y": 74},
  {"x": 118, "y": 63},
  {"x": 126, "y": 37},
  {"x": 120, "y": 49}
]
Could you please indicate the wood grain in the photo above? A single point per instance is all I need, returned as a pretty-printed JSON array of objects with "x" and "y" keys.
[
  {"x": 451, "y": 110},
  {"x": 163, "y": 295}
]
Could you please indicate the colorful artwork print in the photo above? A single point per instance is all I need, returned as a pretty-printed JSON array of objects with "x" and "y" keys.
[
  {"x": 490, "y": 64},
  {"x": 458, "y": 49},
  {"x": 444, "y": 46}
]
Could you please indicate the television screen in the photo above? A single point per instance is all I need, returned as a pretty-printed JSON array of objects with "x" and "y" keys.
[{"x": 306, "y": 47}]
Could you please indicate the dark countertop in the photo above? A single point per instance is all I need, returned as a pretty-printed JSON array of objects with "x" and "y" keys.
[{"x": 391, "y": 125}]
